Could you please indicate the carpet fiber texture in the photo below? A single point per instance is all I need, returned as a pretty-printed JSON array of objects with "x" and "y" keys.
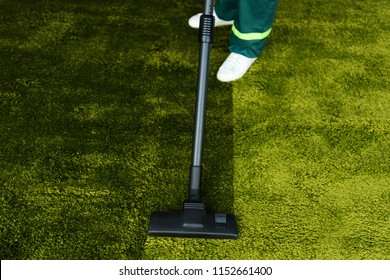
[{"x": 96, "y": 116}]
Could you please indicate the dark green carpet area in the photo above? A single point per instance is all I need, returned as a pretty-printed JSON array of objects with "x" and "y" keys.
[{"x": 96, "y": 114}]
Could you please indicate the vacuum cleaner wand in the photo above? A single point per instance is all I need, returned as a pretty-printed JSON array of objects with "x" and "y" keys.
[{"x": 194, "y": 220}]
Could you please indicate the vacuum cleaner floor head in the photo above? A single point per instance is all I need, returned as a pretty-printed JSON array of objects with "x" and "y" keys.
[{"x": 193, "y": 221}]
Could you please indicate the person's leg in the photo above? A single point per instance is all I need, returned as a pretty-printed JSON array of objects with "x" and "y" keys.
[
  {"x": 226, "y": 9},
  {"x": 252, "y": 26},
  {"x": 250, "y": 31}
]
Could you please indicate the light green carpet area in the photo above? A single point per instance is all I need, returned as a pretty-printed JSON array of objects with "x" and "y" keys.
[
  {"x": 311, "y": 141},
  {"x": 96, "y": 114}
]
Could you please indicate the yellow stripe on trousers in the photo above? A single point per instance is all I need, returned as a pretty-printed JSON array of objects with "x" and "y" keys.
[{"x": 251, "y": 36}]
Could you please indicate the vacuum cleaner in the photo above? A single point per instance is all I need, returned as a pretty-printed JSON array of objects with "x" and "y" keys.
[{"x": 194, "y": 220}]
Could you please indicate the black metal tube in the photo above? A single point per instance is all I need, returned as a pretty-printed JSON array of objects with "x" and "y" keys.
[
  {"x": 205, "y": 39},
  {"x": 200, "y": 114}
]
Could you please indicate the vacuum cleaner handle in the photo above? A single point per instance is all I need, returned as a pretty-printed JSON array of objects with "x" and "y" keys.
[{"x": 205, "y": 37}]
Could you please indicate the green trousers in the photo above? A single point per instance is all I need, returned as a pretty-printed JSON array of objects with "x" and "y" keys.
[{"x": 253, "y": 21}]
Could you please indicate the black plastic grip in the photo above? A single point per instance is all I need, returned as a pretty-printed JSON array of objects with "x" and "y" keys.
[{"x": 206, "y": 29}]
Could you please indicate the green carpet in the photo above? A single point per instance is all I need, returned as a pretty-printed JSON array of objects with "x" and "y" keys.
[{"x": 96, "y": 113}]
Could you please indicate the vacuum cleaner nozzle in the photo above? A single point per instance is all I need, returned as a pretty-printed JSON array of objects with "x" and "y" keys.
[{"x": 193, "y": 221}]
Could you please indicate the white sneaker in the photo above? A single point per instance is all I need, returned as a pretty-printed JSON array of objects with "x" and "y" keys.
[
  {"x": 234, "y": 67},
  {"x": 194, "y": 21}
]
